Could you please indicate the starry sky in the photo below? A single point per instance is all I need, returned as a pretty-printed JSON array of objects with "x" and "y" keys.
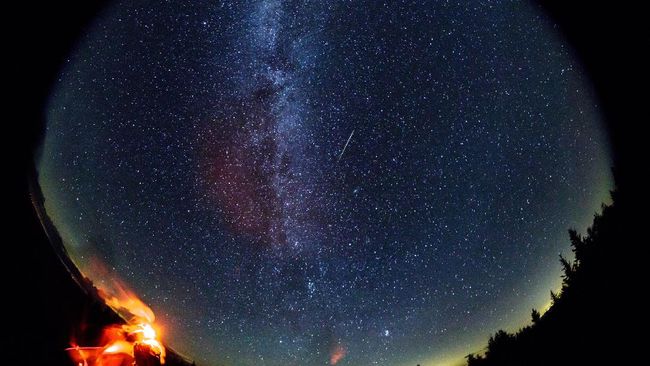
[{"x": 315, "y": 183}]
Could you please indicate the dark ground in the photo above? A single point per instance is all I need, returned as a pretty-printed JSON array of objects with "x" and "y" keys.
[
  {"x": 46, "y": 305},
  {"x": 589, "y": 320}
]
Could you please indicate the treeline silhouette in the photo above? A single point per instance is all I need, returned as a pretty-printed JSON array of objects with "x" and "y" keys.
[{"x": 588, "y": 320}]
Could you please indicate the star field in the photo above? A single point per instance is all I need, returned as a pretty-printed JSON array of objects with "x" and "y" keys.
[{"x": 313, "y": 183}]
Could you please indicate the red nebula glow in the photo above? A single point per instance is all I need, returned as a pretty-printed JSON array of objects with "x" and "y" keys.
[{"x": 240, "y": 168}]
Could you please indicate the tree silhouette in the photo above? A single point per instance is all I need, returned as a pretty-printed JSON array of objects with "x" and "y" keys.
[
  {"x": 535, "y": 316},
  {"x": 589, "y": 313}
]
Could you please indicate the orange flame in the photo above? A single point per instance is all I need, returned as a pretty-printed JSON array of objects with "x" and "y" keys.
[{"x": 122, "y": 344}]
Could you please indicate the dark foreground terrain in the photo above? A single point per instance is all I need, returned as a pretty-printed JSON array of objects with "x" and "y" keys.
[
  {"x": 66, "y": 306},
  {"x": 596, "y": 320},
  {"x": 589, "y": 320}
]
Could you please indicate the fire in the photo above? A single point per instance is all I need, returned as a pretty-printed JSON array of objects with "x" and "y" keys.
[{"x": 135, "y": 343}]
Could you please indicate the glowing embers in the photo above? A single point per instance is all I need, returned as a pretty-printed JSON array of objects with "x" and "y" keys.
[{"x": 135, "y": 343}]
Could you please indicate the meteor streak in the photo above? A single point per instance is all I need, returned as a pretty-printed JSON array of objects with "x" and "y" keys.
[{"x": 345, "y": 147}]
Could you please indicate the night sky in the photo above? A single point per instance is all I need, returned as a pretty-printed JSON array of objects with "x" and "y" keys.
[{"x": 305, "y": 183}]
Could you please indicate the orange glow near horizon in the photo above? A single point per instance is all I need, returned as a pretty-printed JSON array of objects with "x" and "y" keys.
[
  {"x": 337, "y": 354},
  {"x": 121, "y": 343}
]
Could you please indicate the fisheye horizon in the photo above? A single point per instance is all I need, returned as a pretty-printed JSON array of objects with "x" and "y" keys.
[{"x": 305, "y": 183}]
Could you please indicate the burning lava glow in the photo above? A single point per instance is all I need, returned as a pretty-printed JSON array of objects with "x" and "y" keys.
[{"x": 135, "y": 343}]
